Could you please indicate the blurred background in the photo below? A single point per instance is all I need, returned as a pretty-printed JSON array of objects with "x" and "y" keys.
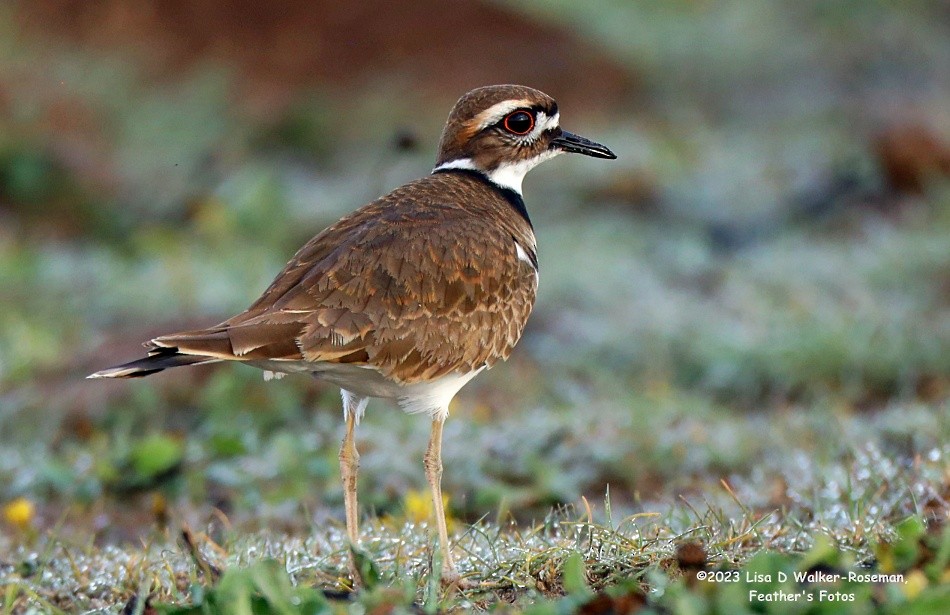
[{"x": 757, "y": 290}]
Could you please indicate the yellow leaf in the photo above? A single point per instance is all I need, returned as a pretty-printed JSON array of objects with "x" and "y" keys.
[
  {"x": 418, "y": 507},
  {"x": 19, "y": 513},
  {"x": 915, "y": 583}
]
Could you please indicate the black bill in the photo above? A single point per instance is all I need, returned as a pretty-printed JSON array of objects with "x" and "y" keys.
[{"x": 569, "y": 142}]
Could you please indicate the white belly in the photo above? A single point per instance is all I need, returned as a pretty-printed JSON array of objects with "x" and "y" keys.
[{"x": 432, "y": 397}]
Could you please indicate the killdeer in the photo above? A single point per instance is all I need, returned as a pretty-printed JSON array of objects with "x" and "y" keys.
[{"x": 411, "y": 296}]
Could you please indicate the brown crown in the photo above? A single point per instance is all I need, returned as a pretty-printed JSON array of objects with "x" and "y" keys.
[{"x": 464, "y": 136}]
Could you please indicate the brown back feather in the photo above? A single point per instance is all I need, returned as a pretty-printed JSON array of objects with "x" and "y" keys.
[{"x": 422, "y": 282}]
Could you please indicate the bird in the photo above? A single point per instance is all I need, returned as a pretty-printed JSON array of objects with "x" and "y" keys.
[{"x": 410, "y": 296}]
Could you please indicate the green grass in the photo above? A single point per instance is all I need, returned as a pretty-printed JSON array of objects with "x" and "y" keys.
[
  {"x": 778, "y": 403},
  {"x": 824, "y": 477},
  {"x": 553, "y": 566}
]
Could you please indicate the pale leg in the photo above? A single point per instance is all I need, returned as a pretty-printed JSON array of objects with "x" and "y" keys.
[
  {"x": 349, "y": 466},
  {"x": 433, "y": 464}
]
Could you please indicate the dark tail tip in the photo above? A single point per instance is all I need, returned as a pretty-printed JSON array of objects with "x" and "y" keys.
[{"x": 159, "y": 360}]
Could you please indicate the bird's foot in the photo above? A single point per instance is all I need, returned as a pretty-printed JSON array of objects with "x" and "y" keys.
[
  {"x": 356, "y": 579},
  {"x": 452, "y": 580}
]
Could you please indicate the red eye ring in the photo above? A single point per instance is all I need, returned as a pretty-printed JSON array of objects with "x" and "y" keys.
[{"x": 519, "y": 122}]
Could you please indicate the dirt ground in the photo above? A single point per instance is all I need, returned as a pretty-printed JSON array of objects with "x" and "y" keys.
[{"x": 278, "y": 48}]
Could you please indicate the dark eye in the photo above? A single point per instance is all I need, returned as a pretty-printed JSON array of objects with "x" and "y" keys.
[{"x": 518, "y": 123}]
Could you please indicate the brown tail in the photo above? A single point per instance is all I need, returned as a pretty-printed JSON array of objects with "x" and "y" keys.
[
  {"x": 264, "y": 340},
  {"x": 156, "y": 361}
]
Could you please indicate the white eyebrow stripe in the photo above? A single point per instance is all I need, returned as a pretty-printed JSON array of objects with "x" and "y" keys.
[
  {"x": 544, "y": 122},
  {"x": 497, "y": 111}
]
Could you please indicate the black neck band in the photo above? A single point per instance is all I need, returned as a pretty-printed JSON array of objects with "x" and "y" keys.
[{"x": 514, "y": 199}]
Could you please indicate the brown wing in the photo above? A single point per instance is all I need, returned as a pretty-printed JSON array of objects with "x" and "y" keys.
[{"x": 422, "y": 282}]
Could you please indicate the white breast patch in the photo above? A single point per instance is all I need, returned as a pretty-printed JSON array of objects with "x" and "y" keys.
[{"x": 525, "y": 257}]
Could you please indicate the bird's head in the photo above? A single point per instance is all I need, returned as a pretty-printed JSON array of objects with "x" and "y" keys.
[{"x": 504, "y": 131}]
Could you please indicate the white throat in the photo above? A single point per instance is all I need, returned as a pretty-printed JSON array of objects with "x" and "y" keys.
[{"x": 508, "y": 175}]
